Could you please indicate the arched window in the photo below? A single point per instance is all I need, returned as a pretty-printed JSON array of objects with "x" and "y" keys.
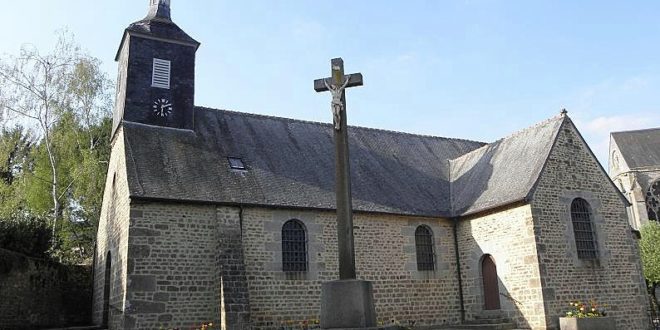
[
  {"x": 653, "y": 201},
  {"x": 585, "y": 241},
  {"x": 294, "y": 247},
  {"x": 424, "y": 247}
]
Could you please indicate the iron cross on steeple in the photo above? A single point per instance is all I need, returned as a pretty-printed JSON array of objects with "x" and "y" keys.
[{"x": 337, "y": 84}]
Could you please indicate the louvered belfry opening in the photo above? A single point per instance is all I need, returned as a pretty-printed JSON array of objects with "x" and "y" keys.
[
  {"x": 583, "y": 229},
  {"x": 294, "y": 247},
  {"x": 653, "y": 201},
  {"x": 424, "y": 248},
  {"x": 161, "y": 74}
]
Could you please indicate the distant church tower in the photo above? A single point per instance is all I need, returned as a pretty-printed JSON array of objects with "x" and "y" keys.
[{"x": 156, "y": 81}]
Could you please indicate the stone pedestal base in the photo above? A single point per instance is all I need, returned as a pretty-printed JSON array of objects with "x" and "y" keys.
[
  {"x": 587, "y": 323},
  {"x": 347, "y": 304}
]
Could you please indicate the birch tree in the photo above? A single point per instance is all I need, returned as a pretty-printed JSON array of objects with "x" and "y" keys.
[{"x": 37, "y": 88}]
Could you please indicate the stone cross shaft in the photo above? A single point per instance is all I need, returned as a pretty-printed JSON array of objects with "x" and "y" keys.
[{"x": 337, "y": 84}]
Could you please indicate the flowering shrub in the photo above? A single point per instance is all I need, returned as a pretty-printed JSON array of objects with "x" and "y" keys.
[{"x": 580, "y": 309}]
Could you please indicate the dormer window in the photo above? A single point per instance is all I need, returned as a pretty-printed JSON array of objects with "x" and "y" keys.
[
  {"x": 161, "y": 74},
  {"x": 236, "y": 163}
]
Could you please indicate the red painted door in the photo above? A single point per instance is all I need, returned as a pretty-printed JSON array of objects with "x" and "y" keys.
[{"x": 491, "y": 288}]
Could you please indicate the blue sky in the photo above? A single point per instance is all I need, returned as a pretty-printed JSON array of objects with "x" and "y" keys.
[{"x": 473, "y": 69}]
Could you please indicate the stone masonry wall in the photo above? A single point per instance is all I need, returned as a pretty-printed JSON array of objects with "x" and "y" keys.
[
  {"x": 615, "y": 279},
  {"x": 185, "y": 267},
  {"x": 112, "y": 237},
  {"x": 234, "y": 303},
  {"x": 172, "y": 266},
  {"x": 385, "y": 254},
  {"x": 36, "y": 293},
  {"x": 508, "y": 236}
]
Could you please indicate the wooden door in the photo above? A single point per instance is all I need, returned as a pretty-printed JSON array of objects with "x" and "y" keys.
[{"x": 491, "y": 287}]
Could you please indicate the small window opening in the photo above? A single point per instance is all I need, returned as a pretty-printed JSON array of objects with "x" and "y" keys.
[
  {"x": 424, "y": 247},
  {"x": 585, "y": 240},
  {"x": 161, "y": 74},
  {"x": 294, "y": 247},
  {"x": 653, "y": 201},
  {"x": 236, "y": 163}
]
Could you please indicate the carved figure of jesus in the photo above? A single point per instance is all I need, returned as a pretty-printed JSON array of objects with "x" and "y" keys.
[{"x": 336, "y": 103}]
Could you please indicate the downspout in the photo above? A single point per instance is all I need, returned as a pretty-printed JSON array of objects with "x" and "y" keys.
[
  {"x": 458, "y": 270},
  {"x": 458, "y": 258}
]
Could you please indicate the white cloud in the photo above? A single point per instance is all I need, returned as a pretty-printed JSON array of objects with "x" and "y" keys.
[
  {"x": 615, "y": 104},
  {"x": 597, "y": 130},
  {"x": 608, "y": 124},
  {"x": 616, "y": 95}
]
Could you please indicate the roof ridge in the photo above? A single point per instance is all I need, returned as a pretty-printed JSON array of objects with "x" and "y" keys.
[
  {"x": 328, "y": 124},
  {"x": 541, "y": 123},
  {"x": 518, "y": 132},
  {"x": 636, "y": 130}
]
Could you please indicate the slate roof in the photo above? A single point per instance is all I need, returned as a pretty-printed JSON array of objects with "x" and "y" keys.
[
  {"x": 640, "y": 148},
  {"x": 161, "y": 29},
  {"x": 290, "y": 163},
  {"x": 158, "y": 28},
  {"x": 504, "y": 171}
]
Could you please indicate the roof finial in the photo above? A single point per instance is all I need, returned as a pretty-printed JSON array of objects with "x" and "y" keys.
[
  {"x": 563, "y": 112},
  {"x": 159, "y": 9}
]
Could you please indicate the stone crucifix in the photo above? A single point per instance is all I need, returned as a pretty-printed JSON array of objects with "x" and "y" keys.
[{"x": 337, "y": 84}]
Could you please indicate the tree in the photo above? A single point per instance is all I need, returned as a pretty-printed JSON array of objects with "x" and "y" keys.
[
  {"x": 650, "y": 251},
  {"x": 15, "y": 148},
  {"x": 42, "y": 90}
]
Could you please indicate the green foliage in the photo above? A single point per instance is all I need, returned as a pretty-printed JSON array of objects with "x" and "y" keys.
[
  {"x": 25, "y": 234},
  {"x": 650, "y": 250},
  {"x": 82, "y": 169},
  {"x": 55, "y": 174},
  {"x": 15, "y": 147}
]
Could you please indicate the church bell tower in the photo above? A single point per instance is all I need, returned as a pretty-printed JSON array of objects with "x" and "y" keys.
[{"x": 156, "y": 81}]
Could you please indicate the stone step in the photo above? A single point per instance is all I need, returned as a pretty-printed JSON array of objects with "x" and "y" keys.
[
  {"x": 89, "y": 327},
  {"x": 483, "y": 326},
  {"x": 495, "y": 320}
]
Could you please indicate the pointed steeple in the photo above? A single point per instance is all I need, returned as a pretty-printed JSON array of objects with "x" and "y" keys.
[
  {"x": 159, "y": 10},
  {"x": 156, "y": 72}
]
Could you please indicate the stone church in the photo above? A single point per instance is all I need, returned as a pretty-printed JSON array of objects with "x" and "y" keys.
[
  {"x": 635, "y": 168},
  {"x": 219, "y": 216}
]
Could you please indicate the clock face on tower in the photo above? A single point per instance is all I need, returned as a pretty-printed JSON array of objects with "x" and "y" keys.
[{"x": 162, "y": 107}]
